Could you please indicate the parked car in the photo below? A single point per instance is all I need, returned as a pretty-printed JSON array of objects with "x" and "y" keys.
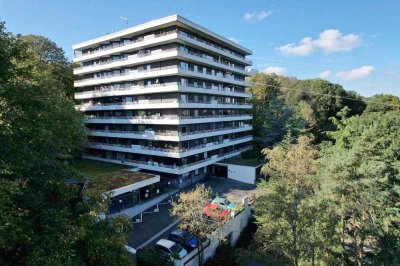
[
  {"x": 169, "y": 247},
  {"x": 223, "y": 202},
  {"x": 215, "y": 211},
  {"x": 184, "y": 238}
]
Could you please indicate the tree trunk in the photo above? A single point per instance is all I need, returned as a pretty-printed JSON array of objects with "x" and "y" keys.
[
  {"x": 358, "y": 244},
  {"x": 360, "y": 252}
]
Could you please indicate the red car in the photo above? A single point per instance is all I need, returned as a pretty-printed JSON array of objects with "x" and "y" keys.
[{"x": 214, "y": 211}]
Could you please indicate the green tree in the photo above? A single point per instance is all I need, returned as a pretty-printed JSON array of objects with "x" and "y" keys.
[
  {"x": 282, "y": 103},
  {"x": 189, "y": 210},
  {"x": 382, "y": 103},
  {"x": 45, "y": 65},
  {"x": 324, "y": 98},
  {"x": 361, "y": 171},
  {"x": 271, "y": 117},
  {"x": 43, "y": 220},
  {"x": 291, "y": 218}
]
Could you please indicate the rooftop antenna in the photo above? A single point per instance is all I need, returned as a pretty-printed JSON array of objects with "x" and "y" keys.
[{"x": 126, "y": 20}]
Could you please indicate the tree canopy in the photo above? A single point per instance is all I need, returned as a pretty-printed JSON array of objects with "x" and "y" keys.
[
  {"x": 361, "y": 171},
  {"x": 44, "y": 221}
]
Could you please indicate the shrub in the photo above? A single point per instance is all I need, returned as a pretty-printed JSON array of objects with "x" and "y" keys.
[{"x": 152, "y": 257}]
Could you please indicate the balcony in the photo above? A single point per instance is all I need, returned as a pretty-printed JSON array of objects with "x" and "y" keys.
[
  {"x": 166, "y": 37},
  {"x": 167, "y": 104},
  {"x": 168, "y": 135},
  {"x": 128, "y": 45},
  {"x": 158, "y": 56},
  {"x": 160, "y": 88},
  {"x": 157, "y": 72},
  {"x": 212, "y": 47},
  {"x": 172, "y": 169},
  {"x": 165, "y": 120},
  {"x": 172, "y": 152}
]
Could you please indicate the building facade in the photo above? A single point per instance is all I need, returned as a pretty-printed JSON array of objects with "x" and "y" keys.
[{"x": 167, "y": 96}]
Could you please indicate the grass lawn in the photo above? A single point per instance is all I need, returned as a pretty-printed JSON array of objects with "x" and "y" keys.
[
  {"x": 106, "y": 176},
  {"x": 97, "y": 170},
  {"x": 239, "y": 160}
]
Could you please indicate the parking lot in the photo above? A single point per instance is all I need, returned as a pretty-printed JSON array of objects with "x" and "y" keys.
[{"x": 159, "y": 224}]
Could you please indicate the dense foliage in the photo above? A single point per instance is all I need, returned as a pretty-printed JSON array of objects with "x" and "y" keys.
[
  {"x": 151, "y": 256},
  {"x": 361, "y": 172},
  {"x": 44, "y": 220},
  {"x": 294, "y": 224},
  {"x": 340, "y": 207},
  {"x": 283, "y": 103}
]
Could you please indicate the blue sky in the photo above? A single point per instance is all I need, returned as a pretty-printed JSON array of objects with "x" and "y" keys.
[{"x": 354, "y": 43}]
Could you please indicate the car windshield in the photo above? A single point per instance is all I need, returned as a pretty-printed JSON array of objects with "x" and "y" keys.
[{"x": 176, "y": 248}]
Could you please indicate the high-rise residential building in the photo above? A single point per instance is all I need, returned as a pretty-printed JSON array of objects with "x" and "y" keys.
[{"x": 167, "y": 96}]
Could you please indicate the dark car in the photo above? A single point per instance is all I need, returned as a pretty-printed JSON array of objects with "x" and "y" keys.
[{"x": 184, "y": 238}]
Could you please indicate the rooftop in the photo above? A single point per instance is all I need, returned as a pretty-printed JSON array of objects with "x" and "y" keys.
[
  {"x": 239, "y": 160},
  {"x": 105, "y": 177},
  {"x": 170, "y": 20}
]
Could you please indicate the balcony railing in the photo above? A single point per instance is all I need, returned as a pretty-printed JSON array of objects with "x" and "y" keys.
[
  {"x": 157, "y": 85},
  {"x": 177, "y": 167},
  {"x": 154, "y": 36},
  {"x": 159, "y": 117},
  {"x": 210, "y": 44},
  {"x": 138, "y": 55},
  {"x": 170, "y": 132},
  {"x": 161, "y": 102},
  {"x": 149, "y": 53},
  {"x": 166, "y": 149},
  {"x": 128, "y": 42},
  {"x": 129, "y": 73},
  {"x": 134, "y": 72}
]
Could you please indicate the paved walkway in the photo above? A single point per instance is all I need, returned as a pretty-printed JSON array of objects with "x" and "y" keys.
[
  {"x": 230, "y": 188},
  {"x": 152, "y": 224}
]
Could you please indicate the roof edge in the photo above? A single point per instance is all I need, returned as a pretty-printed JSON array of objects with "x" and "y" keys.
[{"x": 157, "y": 22}]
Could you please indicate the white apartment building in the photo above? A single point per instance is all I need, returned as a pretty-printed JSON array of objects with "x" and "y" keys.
[{"x": 167, "y": 96}]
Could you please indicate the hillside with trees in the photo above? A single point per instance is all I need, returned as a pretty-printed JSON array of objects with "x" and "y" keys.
[{"x": 334, "y": 177}]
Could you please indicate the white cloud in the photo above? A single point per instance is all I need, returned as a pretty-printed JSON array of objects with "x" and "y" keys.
[
  {"x": 333, "y": 41},
  {"x": 303, "y": 48},
  {"x": 263, "y": 15},
  {"x": 329, "y": 41},
  {"x": 233, "y": 39},
  {"x": 256, "y": 16},
  {"x": 325, "y": 74},
  {"x": 355, "y": 74},
  {"x": 275, "y": 70}
]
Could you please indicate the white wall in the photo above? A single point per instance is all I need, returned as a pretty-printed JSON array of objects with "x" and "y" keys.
[{"x": 245, "y": 174}]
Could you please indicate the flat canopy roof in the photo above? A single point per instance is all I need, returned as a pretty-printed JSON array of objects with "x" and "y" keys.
[
  {"x": 239, "y": 160},
  {"x": 123, "y": 181},
  {"x": 118, "y": 179}
]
